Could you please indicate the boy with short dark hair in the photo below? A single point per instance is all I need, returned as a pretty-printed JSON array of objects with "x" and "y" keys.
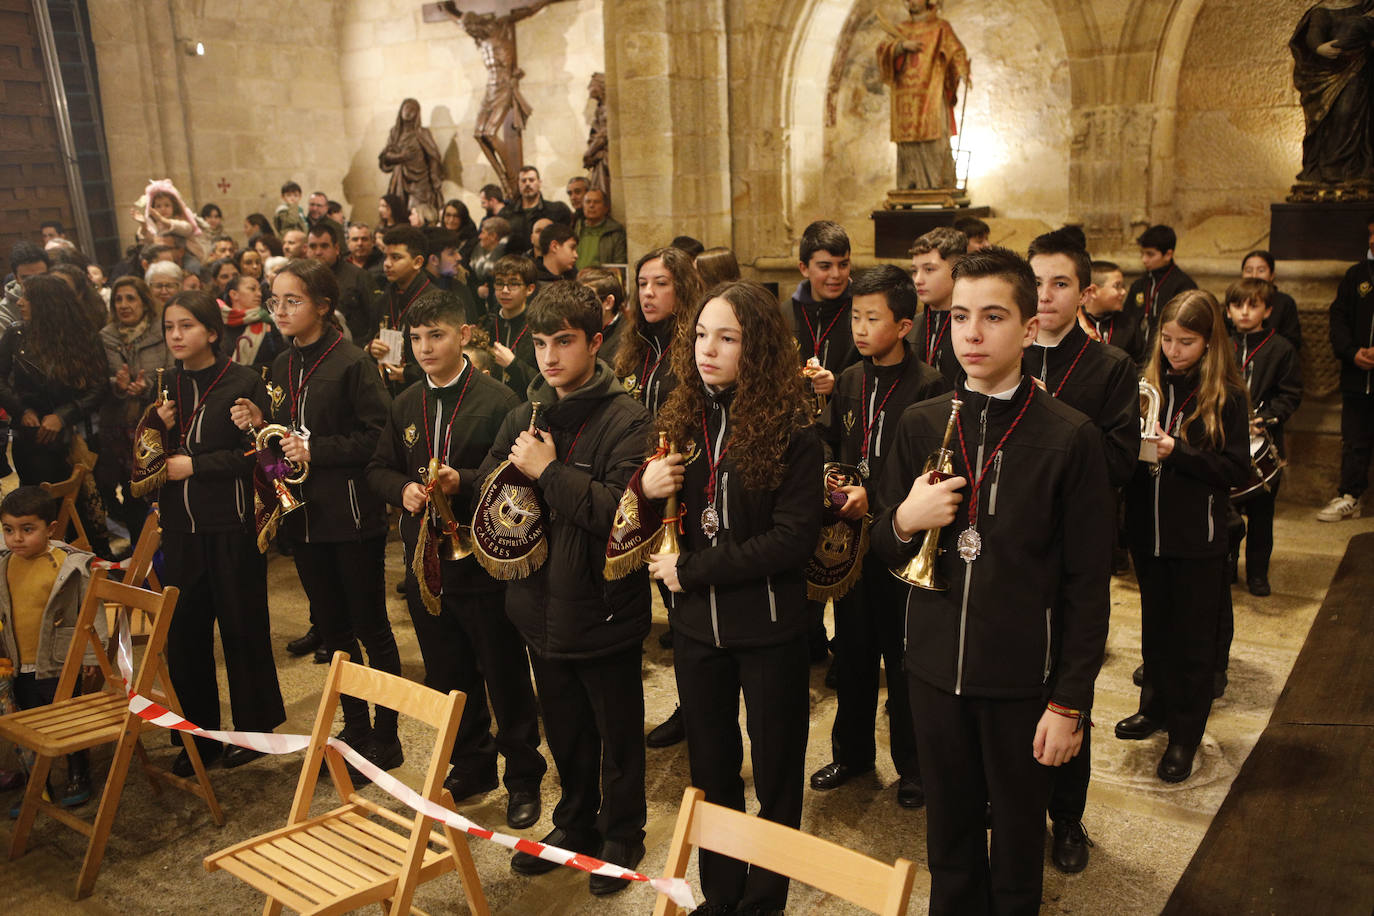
[
  {"x": 289, "y": 214},
  {"x": 408, "y": 284},
  {"x": 584, "y": 633},
  {"x": 976, "y": 231},
  {"x": 1001, "y": 678},
  {"x": 465, "y": 638},
  {"x": 1163, "y": 279},
  {"x": 512, "y": 348},
  {"x": 42, "y": 584},
  {"x": 1103, "y": 317},
  {"x": 1100, "y": 382},
  {"x": 933, "y": 257},
  {"x": 1269, "y": 365},
  {"x": 607, "y": 286},
  {"x": 557, "y": 254},
  {"x": 1283, "y": 310},
  {"x": 859, "y": 428}
]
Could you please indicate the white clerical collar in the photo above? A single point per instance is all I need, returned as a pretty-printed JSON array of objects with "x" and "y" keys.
[
  {"x": 1008, "y": 394},
  {"x": 450, "y": 382}
]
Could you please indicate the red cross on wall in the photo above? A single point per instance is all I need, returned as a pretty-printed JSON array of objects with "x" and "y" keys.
[{"x": 223, "y": 186}]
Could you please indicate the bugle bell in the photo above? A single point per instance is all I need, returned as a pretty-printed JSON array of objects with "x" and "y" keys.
[
  {"x": 1150, "y": 400},
  {"x": 921, "y": 570},
  {"x": 670, "y": 543},
  {"x": 269, "y": 440},
  {"x": 457, "y": 539}
]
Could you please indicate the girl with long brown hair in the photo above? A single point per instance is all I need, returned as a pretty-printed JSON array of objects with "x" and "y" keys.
[
  {"x": 748, "y": 469},
  {"x": 1176, "y": 523},
  {"x": 666, "y": 286}
]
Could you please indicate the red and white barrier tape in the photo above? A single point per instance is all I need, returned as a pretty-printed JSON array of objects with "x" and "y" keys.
[{"x": 270, "y": 743}]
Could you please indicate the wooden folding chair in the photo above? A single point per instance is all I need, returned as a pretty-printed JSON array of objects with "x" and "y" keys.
[
  {"x": 826, "y": 866},
  {"x": 138, "y": 573},
  {"x": 354, "y": 855},
  {"x": 76, "y": 723},
  {"x": 67, "y": 516}
]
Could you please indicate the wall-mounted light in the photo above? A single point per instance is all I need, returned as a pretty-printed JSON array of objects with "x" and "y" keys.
[{"x": 193, "y": 48}]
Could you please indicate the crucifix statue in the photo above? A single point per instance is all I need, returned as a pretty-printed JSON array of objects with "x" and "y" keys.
[{"x": 501, "y": 119}]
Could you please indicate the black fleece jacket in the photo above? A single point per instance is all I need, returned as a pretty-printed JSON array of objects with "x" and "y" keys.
[
  {"x": 344, "y": 406},
  {"x": 1099, "y": 382},
  {"x": 1117, "y": 329},
  {"x": 747, "y": 586},
  {"x": 822, "y": 329},
  {"x": 934, "y": 344},
  {"x": 1271, "y": 370},
  {"x": 567, "y": 609},
  {"x": 403, "y": 448},
  {"x": 1028, "y": 617},
  {"x": 1150, "y": 292},
  {"x": 654, "y": 379},
  {"x": 1180, "y": 511},
  {"x": 515, "y": 334},
  {"x": 867, "y": 391},
  {"x": 218, "y": 496},
  {"x": 1352, "y": 325}
]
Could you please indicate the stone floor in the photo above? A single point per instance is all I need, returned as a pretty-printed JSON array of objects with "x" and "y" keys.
[{"x": 1145, "y": 831}]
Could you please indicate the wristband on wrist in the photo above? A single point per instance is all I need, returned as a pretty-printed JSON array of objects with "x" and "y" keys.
[{"x": 1081, "y": 717}]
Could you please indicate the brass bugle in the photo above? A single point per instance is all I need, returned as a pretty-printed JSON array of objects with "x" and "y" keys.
[
  {"x": 457, "y": 539},
  {"x": 670, "y": 543},
  {"x": 299, "y": 470},
  {"x": 813, "y": 365},
  {"x": 920, "y": 570},
  {"x": 1150, "y": 400},
  {"x": 161, "y": 392}
]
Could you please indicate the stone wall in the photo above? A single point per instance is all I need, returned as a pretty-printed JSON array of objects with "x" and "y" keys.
[
  {"x": 388, "y": 54},
  {"x": 262, "y": 105}
]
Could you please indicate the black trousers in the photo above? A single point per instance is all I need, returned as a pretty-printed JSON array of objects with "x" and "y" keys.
[
  {"x": 1357, "y": 442},
  {"x": 472, "y": 646},
  {"x": 345, "y": 583},
  {"x": 1069, "y": 784},
  {"x": 223, "y": 580},
  {"x": 1181, "y": 606},
  {"x": 870, "y": 627},
  {"x": 774, "y": 681},
  {"x": 1258, "y": 534},
  {"x": 594, "y": 721},
  {"x": 975, "y": 751}
]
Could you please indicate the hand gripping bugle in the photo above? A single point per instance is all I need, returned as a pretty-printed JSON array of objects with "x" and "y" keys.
[
  {"x": 920, "y": 571},
  {"x": 1150, "y": 400},
  {"x": 279, "y": 469},
  {"x": 457, "y": 539}
]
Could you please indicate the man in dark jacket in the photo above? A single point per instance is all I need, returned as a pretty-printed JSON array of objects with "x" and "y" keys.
[
  {"x": 584, "y": 633},
  {"x": 530, "y": 207},
  {"x": 355, "y": 286},
  {"x": 1352, "y": 340}
]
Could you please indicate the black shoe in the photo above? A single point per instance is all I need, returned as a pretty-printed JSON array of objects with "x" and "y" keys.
[
  {"x": 1258, "y": 585},
  {"x": 323, "y": 656},
  {"x": 385, "y": 754},
  {"x": 669, "y": 733},
  {"x": 522, "y": 810},
  {"x": 304, "y": 645},
  {"x": 1137, "y": 727},
  {"x": 1177, "y": 763},
  {"x": 1219, "y": 683},
  {"x": 715, "y": 909},
  {"x": 522, "y": 863},
  {"x": 834, "y": 775},
  {"x": 1138, "y": 676},
  {"x": 77, "y": 791},
  {"x": 237, "y": 756},
  {"x": 1071, "y": 844},
  {"x": 182, "y": 765},
  {"x": 832, "y": 678},
  {"x": 665, "y": 639},
  {"x": 627, "y": 855},
  {"x": 465, "y": 785},
  {"x": 910, "y": 793}
]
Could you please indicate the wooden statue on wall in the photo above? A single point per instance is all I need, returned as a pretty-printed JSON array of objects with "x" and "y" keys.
[
  {"x": 412, "y": 158},
  {"x": 501, "y": 119},
  {"x": 923, "y": 62},
  {"x": 594, "y": 159},
  {"x": 1333, "y": 71}
]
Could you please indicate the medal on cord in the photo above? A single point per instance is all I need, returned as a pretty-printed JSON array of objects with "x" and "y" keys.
[
  {"x": 869, "y": 418},
  {"x": 710, "y": 517},
  {"x": 970, "y": 543}
]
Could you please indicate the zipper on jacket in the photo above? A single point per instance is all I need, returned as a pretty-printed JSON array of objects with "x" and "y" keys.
[
  {"x": 772, "y": 599},
  {"x": 724, "y": 496},
  {"x": 996, "y": 479},
  {"x": 1211, "y": 522},
  {"x": 1169, "y": 412},
  {"x": 239, "y": 501},
  {"x": 725, "y": 522},
  {"x": 968, "y": 567},
  {"x": 353, "y": 504},
  {"x": 1047, "y": 646},
  {"x": 877, "y": 444}
]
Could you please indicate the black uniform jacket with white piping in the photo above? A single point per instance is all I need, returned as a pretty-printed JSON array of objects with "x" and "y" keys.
[
  {"x": 746, "y": 586},
  {"x": 422, "y": 418},
  {"x": 1352, "y": 325},
  {"x": 1271, "y": 371},
  {"x": 862, "y": 404},
  {"x": 1028, "y": 616},
  {"x": 1101, "y": 383},
  {"x": 343, "y": 404},
  {"x": 932, "y": 339},
  {"x": 218, "y": 496},
  {"x": 1180, "y": 509},
  {"x": 566, "y": 608}
]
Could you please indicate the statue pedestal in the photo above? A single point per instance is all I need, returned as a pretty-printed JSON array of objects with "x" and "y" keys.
[
  {"x": 895, "y": 230},
  {"x": 1320, "y": 230}
]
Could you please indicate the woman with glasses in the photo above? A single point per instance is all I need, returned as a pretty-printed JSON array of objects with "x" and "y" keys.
[{"x": 328, "y": 394}]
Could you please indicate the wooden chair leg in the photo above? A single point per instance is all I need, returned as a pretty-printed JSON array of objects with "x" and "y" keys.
[
  {"x": 109, "y": 804},
  {"x": 147, "y": 765},
  {"x": 271, "y": 907},
  {"x": 463, "y": 864},
  {"x": 28, "y": 810},
  {"x": 193, "y": 752}
]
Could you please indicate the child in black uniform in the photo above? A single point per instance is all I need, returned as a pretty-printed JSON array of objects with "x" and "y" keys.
[
  {"x": 1269, "y": 365},
  {"x": 750, "y": 497},
  {"x": 329, "y": 395},
  {"x": 1001, "y": 665},
  {"x": 933, "y": 257},
  {"x": 1176, "y": 520},
  {"x": 859, "y": 428},
  {"x": 466, "y": 639},
  {"x": 209, "y": 544},
  {"x": 512, "y": 348}
]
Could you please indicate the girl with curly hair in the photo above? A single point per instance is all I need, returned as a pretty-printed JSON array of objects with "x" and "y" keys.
[
  {"x": 748, "y": 477},
  {"x": 666, "y": 286}
]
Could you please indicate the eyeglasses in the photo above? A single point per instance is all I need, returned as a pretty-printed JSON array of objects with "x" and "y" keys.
[
  {"x": 287, "y": 304},
  {"x": 508, "y": 284}
]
